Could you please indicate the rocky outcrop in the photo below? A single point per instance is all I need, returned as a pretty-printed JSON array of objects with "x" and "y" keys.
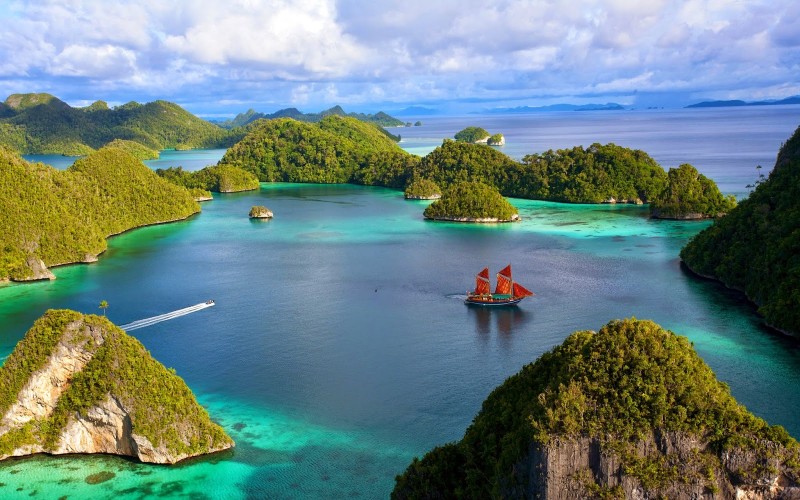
[
  {"x": 38, "y": 270},
  {"x": 260, "y": 212},
  {"x": 421, "y": 197},
  {"x": 628, "y": 412},
  {"x": 569, "y": 468},
  {"x": 53, "y": 410}
]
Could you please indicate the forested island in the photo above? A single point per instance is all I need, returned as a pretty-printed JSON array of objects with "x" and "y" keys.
[
  {"x": 380, "y": 118},
  {"x": 334, "y": 150},
  {"x": 50, "y": 217},
  {"x": 79, "y": 384},
  {"x": 344, "y": 150},
  {"x": 43, "y": 124},
  {"x": 478, "y": 135},
  {"x": 630, "y": 411},
  {"x": 471, "y": 202},
  {"x": 756, "y": 247},
  {"x": 422, "y": 189},
  {"x": 218, "y": 178}
]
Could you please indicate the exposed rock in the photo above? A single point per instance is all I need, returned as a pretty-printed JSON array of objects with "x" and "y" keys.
[
  {"x": 630, "y": 412},
  {"x": 420, "y": 197},
  {"x": 657, "y": 214},
  {"x": 137, "y": 412},
  {"x": 514, "y": 218},
  {"x": 38, "y": 269},
  {"x": 260, "y": 212}
]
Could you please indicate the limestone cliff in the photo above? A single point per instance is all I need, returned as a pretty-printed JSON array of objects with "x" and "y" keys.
[
  {"x": 630, "y": 411},
  {"x": 79, "y": 384}
]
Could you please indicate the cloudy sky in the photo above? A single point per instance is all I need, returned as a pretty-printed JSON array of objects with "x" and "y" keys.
[{"x": 218, "y": 57}]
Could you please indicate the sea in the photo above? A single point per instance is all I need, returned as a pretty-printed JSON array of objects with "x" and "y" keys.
[{"x": 339, "y": 346}]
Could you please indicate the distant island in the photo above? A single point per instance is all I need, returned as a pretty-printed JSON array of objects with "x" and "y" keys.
[
  {"x": 79, "y": 384},
  {"x": 736, "y": 102},
  {"x": 755, "y": 247},
  {"x": 629, "y": 411},
  {"x": 478, "y": 135},
  {"x": 43, "y": 124},
  {"x": 611, "y": 106},
  {"x": 379, "y": 118}
]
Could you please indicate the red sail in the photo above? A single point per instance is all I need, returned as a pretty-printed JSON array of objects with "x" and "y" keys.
[
  {"x": 482, "y": 284},
  {"x": 504, "y": 281},
  {"x": 521, "y": 291}
]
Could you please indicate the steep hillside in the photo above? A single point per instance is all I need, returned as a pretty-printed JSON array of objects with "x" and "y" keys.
[
  {"x": 50, "y": 217},
  {"x": 630, "y": 411},
  {"x": 335, "y": 150},
  {"x": 756, "y": 247},
  {"x": 41, "y": 123},
  {"x": 79, "y": 384}
]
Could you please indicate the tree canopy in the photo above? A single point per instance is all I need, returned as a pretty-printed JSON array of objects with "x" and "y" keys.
[
  {"x": 471, "y": 134},
  {"x": 690, "y": 195},
  {"x": 756, "y": 247},
  {"x": 471, "y": 201},
  {"x": 41, "y": 123},
  {"x": 64, "y": 216},
  {"x": 335, "y": 150},
  {"x": 618, "y": 385}
]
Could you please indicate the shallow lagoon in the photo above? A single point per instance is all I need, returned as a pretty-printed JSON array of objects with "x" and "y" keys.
[{"x": 339, "y": 346}]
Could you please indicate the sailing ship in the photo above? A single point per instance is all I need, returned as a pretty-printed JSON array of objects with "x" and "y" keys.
[{"x": 506, "y": 293}]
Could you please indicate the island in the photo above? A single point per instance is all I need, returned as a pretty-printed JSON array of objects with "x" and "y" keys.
[
  {"x": 690, "y": 195},
  {"x": 260, "y": 212},
  {"x": 630, "y": 411},
  {"x": 217, "y": 178},
  {"x": 79, "y": 384},
  {"x": 472, "y": 202},
  {"x": 478, "y": 135},
  {"x": 755, "y": 247},
  {"x": 44, "y": 124},
  {"x": 242, "y": 119},
  {"x": 422, "y": 189},
  {"x": 53, "y": 217}
]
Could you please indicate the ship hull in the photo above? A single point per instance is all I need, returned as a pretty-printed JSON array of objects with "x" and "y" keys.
[{"x": 474, "y": 301}]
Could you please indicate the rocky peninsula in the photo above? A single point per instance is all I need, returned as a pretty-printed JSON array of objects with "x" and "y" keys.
[
  {"x": 630, "y": 411},
  {"x": 79, "y": 384}
]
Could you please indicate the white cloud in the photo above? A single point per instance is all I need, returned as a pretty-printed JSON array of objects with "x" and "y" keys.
[{"x": 311, "y": 51}]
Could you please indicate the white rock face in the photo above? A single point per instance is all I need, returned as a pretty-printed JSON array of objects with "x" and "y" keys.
[{"x": 104, "y": 428}]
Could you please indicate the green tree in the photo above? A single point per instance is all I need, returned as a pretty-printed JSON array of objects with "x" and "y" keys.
[{"x": 103, "y": 306}]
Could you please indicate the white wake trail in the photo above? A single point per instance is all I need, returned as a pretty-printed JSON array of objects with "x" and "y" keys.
[{"x": 141, "y": 323}]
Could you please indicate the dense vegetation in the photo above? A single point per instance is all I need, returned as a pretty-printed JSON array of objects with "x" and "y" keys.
[
  {"x": 690, "y": 194},
  {"x": 595, "y": 174},
  {"x": 471, "y": 201},
  {"x": 64, "y": 216},
  {"x": 162, "y": 408},
  {"x": 495, "y": 140},
  {"x": 618, "y": 385},
  {"x": 422, "y": 189},
  {"x": 335, "y": 150},
  {"x": 471, "y": 134},
  {"x": 380, "y": 118},
  {"x": 220, "y": 178},
  {"x": 139, "y": 151},
  {"x": 756, "y": 247},
  {"x": 41, "y": 123}
]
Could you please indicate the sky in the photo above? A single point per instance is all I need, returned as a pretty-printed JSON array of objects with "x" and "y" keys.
[{"x": 217, "y": 58}]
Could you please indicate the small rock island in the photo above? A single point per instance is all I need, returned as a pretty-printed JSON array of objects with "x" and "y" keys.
[
  {"x": 472, "y": 202},
  {"x": 79, "y": 384},
  {"x": 630, "y": 411},
  {"x": 260, "y": 212}
]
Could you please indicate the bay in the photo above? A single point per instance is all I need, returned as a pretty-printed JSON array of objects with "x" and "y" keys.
[{"x": 339, "y": 346}]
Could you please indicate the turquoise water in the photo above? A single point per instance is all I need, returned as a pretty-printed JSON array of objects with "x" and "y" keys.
[
  {"x": 191, "y": 160},
  {"x": 339, "y": 346}
]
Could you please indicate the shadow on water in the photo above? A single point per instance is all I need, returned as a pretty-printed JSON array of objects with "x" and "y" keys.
[{"x": 506, "y": 319}]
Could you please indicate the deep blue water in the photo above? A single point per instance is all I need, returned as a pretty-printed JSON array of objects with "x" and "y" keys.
[{"x": 339, "y": 346}]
